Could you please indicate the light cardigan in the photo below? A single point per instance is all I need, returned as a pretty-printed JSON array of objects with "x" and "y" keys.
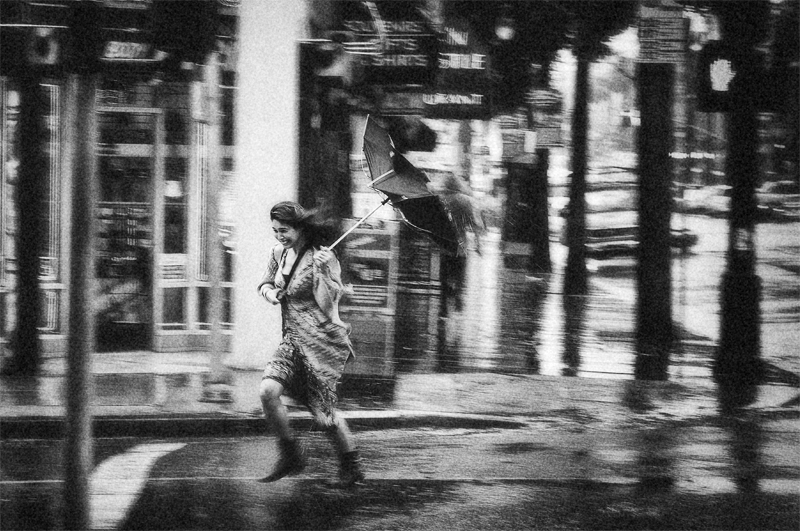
[{"x": 328, "y": 287}]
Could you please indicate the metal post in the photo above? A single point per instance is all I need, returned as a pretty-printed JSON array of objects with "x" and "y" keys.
[
  {"x": 738, "y": 358},
  {"x": 217, "y": 388},
  {"x": 540, "y": 224},
  {"x": 654, "y": 299},
  {"x": 576, "y": 280},
  {"x": 78, "y": 447},
  {"x": 740, "y": 333}
]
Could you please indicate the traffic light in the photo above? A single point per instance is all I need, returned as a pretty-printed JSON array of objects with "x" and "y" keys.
[{"x": 729, "y": 77}]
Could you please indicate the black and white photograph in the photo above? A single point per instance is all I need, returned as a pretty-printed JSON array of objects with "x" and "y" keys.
[{"x": 375, "y": 265}]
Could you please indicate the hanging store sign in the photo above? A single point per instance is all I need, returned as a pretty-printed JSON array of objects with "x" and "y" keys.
[
  {"x": 455, "y": 105},
  {"x": 122, "y": 50},
  {"x": 128, "y": 4},
  {"x": 402, "y": 102},
  {"x": 547, "y": 115},
  {"x": 391, "y": 40},
  {"x": 462, "y": 79}
]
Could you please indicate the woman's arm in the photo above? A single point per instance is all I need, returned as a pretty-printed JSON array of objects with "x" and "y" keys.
[{"x": 266, "y": 287}]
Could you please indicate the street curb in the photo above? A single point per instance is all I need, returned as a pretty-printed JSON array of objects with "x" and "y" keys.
[{"x": 221, "y": 425}]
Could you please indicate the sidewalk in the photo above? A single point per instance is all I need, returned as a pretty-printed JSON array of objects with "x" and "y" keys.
[{"x": 150, "y": 394}]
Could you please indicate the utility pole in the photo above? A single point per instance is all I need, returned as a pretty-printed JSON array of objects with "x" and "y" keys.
[
  {"x": 576, "y": 280},
  {"x": 78, "y": 445},
  {"x": 656, "y": 82},
  {"x": 82, "y": 123},
  {"x": 217, "y": 387}
]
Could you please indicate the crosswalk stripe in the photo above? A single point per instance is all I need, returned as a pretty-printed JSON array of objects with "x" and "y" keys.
[{"x": 117, "y": 482}]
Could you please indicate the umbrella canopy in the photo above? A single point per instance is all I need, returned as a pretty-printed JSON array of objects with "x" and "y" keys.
[{"x": 406, "y": 187}]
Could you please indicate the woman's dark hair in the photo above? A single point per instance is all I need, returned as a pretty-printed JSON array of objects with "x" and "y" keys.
[{"x": 318, "y": 229}]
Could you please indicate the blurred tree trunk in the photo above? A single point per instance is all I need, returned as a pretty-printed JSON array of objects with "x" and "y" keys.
[
  {"x": 575, "y": 279},
  {"x": 654, "y": 278}
]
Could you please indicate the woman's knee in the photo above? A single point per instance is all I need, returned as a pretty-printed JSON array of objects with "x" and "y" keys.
[{"x": 270, "y": 390}]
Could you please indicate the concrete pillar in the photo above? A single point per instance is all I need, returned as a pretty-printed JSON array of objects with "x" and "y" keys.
[{"x": 267, "y": 171}]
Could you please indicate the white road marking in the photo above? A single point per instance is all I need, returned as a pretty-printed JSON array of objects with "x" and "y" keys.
[{"x": 117, "y": 482}]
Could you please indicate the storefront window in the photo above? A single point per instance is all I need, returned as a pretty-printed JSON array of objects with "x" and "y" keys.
[
  {"x": 175, "y": 205},
  {"x": 126, "y": 173},
  {"x": 125, "y": 179},
  {"x": 125, "y": 91},
  {"x": 8, "y": 211},
  {"x": 174, "y": 98},
  {"x": 49, "y": 243},
  {"x": 126, "y": 128},
  {"x": 52, "y": 190},
  {"x": 174, "y": 315},
  {"x": 203, "y": 301}
]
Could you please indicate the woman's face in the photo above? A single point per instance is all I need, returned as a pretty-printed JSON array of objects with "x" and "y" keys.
[{"x": 287, "y": 235}]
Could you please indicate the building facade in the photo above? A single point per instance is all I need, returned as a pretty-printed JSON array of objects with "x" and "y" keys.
[{"x": 164, "y": 156}]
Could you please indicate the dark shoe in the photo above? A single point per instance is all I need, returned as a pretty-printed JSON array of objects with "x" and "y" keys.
[
  {"x": 350, "y": 473},
  {"x": 291, "y": 461}
]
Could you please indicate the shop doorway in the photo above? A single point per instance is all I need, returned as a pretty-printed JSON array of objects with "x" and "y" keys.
[{"x": 126, "y": 167}]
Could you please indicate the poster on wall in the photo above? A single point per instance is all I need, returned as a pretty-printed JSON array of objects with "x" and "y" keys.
[{"x": 369, "y": 265}]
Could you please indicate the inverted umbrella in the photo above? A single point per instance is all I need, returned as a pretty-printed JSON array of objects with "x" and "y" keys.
[{"x": 406, "y": 188}]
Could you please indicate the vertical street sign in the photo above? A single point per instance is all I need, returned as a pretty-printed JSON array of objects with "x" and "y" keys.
[
  {"x": 662, "y": 40},
  {"x": 662, "y": 32}
]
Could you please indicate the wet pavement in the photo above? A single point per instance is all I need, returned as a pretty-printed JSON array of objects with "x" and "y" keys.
[{"x": 505, "y": 325}]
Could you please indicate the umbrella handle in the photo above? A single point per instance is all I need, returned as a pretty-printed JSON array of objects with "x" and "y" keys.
[{"x": 359, "y": 222}]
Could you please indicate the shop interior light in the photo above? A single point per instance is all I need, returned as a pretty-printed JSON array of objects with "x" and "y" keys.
[{"x": 173, "y": 189}]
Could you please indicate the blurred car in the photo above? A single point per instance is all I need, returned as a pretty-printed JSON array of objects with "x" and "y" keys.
[
  {"x": 714, "y": 201},
  {"x": 612, "y": 224},
  {"x": 779, "y": 200}
]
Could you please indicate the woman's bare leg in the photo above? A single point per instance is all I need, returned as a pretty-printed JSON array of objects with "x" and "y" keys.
[
  {"x": 274, "y": 410},
  {"x": 350, "y": 472},
  {"x": 290, "y": 460},
  {"x": 341, "y": 435}
]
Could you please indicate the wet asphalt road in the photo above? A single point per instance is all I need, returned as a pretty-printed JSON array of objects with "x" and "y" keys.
[{"x": 561, "y": 472}]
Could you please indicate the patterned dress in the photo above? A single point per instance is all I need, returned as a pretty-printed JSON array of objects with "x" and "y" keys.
[{"x": 315, "y": 346}]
